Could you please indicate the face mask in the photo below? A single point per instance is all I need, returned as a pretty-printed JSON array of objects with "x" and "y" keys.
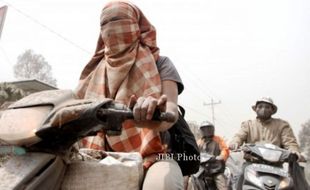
[
  {"x": 264, "y": 110},
  {"x": 207, "y": 132}
]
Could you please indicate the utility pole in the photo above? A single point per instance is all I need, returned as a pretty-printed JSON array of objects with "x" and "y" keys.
[
  {"x": 3, "y": 11},
  {"x": 212, "y": 103}
]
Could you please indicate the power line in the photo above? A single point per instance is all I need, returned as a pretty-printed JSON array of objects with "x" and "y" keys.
[
  {"x": 196, "y": 84},
  {"x": 48, "y": 28},
  {"x": 196, "y": 111},
  {"x": 203, "y": 88}
]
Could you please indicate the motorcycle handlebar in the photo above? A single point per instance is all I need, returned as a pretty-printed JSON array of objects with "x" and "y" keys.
[
  {"x": 128, "y": 114},
  {"x": 97, "y": 116}
]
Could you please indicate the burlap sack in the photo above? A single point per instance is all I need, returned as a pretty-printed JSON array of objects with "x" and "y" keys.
[{"x": 116, "y": 171}]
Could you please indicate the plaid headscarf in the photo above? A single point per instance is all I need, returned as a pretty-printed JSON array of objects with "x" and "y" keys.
[{"x": 124, "y": 64}]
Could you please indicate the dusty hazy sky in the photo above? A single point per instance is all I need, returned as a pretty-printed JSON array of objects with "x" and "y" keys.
[{"x": 231, "y": 51}]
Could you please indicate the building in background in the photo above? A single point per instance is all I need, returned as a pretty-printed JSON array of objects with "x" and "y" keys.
[
  {"x": 26, "y": 87},
  {"x": 32, "y": 85}
]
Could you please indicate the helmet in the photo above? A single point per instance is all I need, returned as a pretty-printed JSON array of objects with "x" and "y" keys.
[
  {"x": 206, "y": 124},
  {"x": 267, "y": 100}
]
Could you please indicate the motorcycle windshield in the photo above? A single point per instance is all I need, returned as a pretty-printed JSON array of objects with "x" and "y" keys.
[{"x": 270, "y": 155}]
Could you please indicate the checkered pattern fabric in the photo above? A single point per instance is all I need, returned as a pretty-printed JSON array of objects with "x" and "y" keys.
[{"x": 124, "y": 64}]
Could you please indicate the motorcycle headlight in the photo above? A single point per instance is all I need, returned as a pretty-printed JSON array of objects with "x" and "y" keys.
[
  {"x": 252, "y": 177},
  {"x": 284, "y": 183},
  {"x": 270, "y": 155}
]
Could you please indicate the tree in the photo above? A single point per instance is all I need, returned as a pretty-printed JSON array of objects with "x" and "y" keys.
[
  {"x": 304, "y": 140},
  {"x": 33, "y": 66}
]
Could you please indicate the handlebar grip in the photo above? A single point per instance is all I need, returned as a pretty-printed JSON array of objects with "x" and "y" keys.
[
  {"x": 128, "y": 114},
  {"x": 167, "y": 116},
  {"x": 162, "y": 116},
  {"x": 113, "y": 115},
  {"x": 293, "y": 157},
  {"x": 157, "y": 115}
]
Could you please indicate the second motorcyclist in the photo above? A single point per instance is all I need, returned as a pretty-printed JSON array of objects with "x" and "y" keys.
[
  {"x": 265, "y": 129},
  {"x": 214, "y": 145}
]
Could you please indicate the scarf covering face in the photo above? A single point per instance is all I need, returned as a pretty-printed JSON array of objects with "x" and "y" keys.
[{"x": 124, "y": 64}]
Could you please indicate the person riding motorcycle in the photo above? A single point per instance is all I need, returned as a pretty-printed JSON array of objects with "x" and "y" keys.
[
  {"x": 214, "y": 145},
  {"x": 127, "y": 68},
  {"x": 265, "y": 129}
]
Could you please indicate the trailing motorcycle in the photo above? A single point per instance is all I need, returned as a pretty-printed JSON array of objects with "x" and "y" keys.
[
  {"x": 264, "y": 169},
  {"x": 209, "y": 168},
  {"x": 41, "y": 129}
]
